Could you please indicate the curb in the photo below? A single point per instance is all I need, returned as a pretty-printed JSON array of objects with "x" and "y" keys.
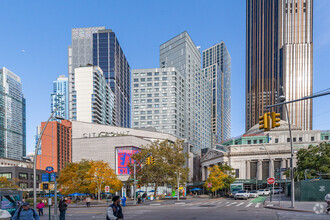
[{"x": 286, "y": 209}]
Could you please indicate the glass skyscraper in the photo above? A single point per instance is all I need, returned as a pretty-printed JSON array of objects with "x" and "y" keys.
[
  {"x": 217, "y": 64},
  {"x": 60, "y": 97},
  {"x": 100, "y": 47},
  {"x": 181, "y": 52},
  {"x": 12, "y": 116},
  {"x": 279, "y": 52}
]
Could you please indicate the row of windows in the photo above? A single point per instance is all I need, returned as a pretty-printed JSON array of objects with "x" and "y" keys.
[
  {"x": 150, "y": 79},
  {"x": 22, "y": 176},
  {"x": 150, "y": 84},
  {"x": 150, "y": 74}
]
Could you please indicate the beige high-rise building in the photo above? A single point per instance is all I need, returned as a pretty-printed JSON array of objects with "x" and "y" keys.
[{"x": 279, "y": 52}]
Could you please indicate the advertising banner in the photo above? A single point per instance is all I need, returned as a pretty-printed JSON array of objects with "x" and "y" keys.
[{"x": 124, "y": 159}]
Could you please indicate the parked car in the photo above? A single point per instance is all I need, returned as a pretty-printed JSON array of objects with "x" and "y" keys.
[
  {"x": 263, "y": 192},
  {"x": 253, "y": 194},
  {"x": 278, "y": 190},
  {"x": 241, "y": 194}
]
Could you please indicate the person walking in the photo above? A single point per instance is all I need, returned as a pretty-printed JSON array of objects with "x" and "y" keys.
[
  {"x": 115, "y": 211},
  {"x": 25, "y": 213},
  {"x": 62, "y": 206},
  {"x": 41, "y": 207},
  {"x": 139, "y": 198},
  {"x": 144, "y": 196},
  {"x": 88, "y": 201}
]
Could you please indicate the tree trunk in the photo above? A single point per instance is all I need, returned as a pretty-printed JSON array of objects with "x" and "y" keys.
[
  {"x": 98, "y": 193},
  {"x": 156, "y": 186}
]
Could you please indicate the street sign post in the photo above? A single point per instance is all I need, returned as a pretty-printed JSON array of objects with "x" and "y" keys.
[
  {"x": 49, "y": 169},
  {"x": 270, "y": 180},
  {"x": 107, "y": 189}
]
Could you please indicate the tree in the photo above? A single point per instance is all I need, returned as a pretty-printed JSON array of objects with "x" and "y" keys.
[
  {"x": 169, "y": 158},
  {"x": 217, "y": 177},
  {"x": 6, "y": 183},
  {"x": 230, "y": 179},
  {"x": 73, "y": 178},
  {"x": 100, "y": 175},
  {"x": 313, "y": 161}
]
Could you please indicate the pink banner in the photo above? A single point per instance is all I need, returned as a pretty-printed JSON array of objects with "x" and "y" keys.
[{"x": 124, "y": 159}]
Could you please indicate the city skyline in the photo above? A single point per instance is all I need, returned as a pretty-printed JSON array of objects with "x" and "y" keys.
[{"x": 34, "y": 58}]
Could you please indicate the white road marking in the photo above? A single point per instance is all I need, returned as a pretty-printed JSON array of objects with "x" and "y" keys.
[
  {"x": 179, "y": 203},
  {"x": 155, "y": 204},
  {"x": 240, "y": 204},
  {"x": 249, "y": 205},
  {"x": 258, "y": 204},
  {"x": 233, "y": 203}
]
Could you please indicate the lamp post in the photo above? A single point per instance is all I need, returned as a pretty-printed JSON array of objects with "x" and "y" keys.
[{"x": 35, "y": 157}]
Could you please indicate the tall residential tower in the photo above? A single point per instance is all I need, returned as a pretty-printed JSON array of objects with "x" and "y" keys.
[
  {"x": 100, "y": 47},
  {"x": 279, "y": 52},
  {"x": 217, "y": 63},
  {"x": 60, "y": 97},
  {"x": 12, "y": 116}
]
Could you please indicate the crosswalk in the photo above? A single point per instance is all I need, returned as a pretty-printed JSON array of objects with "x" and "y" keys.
[{"x": 245, "y": 204}]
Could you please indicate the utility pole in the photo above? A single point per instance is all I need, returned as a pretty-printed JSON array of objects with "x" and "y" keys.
[
  {"x": 178, "y": 175},
  {"x": 134, "y": 185}
]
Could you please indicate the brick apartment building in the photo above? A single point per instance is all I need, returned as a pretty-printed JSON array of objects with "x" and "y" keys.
[{"x": 55, "y": 145}]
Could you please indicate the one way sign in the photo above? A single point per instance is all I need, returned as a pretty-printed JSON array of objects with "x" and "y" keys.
[{"x": 281, "y": 170}]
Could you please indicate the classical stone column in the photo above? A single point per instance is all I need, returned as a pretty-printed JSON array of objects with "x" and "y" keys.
[
  {"x": 247, "y": 176},
  {"x": 283, "y": 165},
  {"x": 259, "y": 169},
  {"x": 271, "y": 168},
  {"x": 203, "y": 173}
]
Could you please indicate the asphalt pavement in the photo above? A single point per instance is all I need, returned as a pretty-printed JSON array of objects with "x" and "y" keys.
[{"x": 194, "y": 209}]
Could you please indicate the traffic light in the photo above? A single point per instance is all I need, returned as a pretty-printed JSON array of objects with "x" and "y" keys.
[
  {"x": 264, "y": 122},
  {"x": 275, "y": 119},
  {"x": 152, "y": 160},
  {"x": 148, "y": 160}
]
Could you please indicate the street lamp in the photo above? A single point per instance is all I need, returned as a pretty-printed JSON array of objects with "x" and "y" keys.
[
  {"x": 35, "y": 157},
  {"x": 282, "y": 99},
  {"x": 178, "y": 179}
]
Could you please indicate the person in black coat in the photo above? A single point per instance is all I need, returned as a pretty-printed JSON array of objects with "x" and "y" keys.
[{"x": 62, "y": 206}]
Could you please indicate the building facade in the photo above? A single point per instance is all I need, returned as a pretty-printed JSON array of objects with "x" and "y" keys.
[
  {"x": 55, "y": 150},
  {"x": 158, "y": 100},
  {"x": 60, "y": 97},
  {"x": 109, "y": 56},
  {"x": 92, "y": 100},
  {"x": 12, "y": 116},
  {"x": 255, "y": 155},
  {"x": 279, "y": 52},
  {"x": 181, "y": 52},
  {"x": 217, "y": 63},
  {"x": 100, "y": 47}
]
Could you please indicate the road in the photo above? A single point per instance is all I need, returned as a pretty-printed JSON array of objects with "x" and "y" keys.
[{"x": 194, "y": 209}]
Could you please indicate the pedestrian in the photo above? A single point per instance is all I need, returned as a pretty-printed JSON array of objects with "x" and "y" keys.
[
  {"x": 88, "y": 201},
  {"x": 123, "y": 201},
  {"x": 144, "y": 196},
  {"x": 139, "y": 198},
  {"x": 25, "y": 213},
  {"x": 62, "y": 206},
  {"x": 115, "y": 211},
  {"x": 41, "y": 207}
]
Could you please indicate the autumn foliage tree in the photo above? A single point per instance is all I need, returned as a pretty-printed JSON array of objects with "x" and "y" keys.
[
  {"x": 86, "y": 176},
  {"x": 100, "y": 175},
  {"x": 6, "y": 183},
  {"x": 217, "y": 177},
  {"x": 169, "y": 158}
]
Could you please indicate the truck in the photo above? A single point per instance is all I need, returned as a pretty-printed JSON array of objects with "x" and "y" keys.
[{"x": 234, "y": 187}]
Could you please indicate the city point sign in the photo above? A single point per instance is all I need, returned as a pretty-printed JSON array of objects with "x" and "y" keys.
[{"x": 105, "y": 134}]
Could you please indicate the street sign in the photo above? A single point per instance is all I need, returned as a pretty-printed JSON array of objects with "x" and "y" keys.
[
  {"x": 209, "y": 185},
  {"x": 270, "y": 180},
  {"x": 107, "y": 189},
  {"x": 45, "y": 177},
  {"x": 49, "y": 169},
  {"x": 281, "y": 170}
]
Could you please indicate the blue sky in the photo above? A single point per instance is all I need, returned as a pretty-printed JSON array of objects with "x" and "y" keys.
[{"x": 35, "y": 34}]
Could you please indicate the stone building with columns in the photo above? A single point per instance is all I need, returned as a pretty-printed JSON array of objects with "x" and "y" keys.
[{"x": 256, "y": 154}]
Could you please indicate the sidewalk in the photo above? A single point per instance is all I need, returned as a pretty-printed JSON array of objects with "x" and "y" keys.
[{"x": 313, "y": 207}]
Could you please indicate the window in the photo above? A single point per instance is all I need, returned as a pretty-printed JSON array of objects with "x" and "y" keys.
[
  {"x": 149, "y": 95},
  {"x": 136, "y": 85},
  {"x": 149, "y": 74},
  {"x": 149, "y": 84},
  {"x": 261, "y": 141},
  {"x": 156, "y": 74},
  {"x": 276, "y": 140},
  {"x": 136, "y": 80},
  {"x": 312, "y": 138},
  {"x": 23, "y": 176},
  {"x": 7, "y": 175},
  {"x": 156, "y": 78},
  {"x": 149, "y": 79},
  {"x": 37, "y": 177},
  {"x": 300, "y": 139},
  {"x": 294, "y": 139},
  {"x": 254, "y": 141},
  {"x": 326, "y": 137},
  {"x": 249, "y": 141},
  {"x": 237, "y": 173},
  {"x": 288, "y": 140},
  {"x": 23, "y": 185}
]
